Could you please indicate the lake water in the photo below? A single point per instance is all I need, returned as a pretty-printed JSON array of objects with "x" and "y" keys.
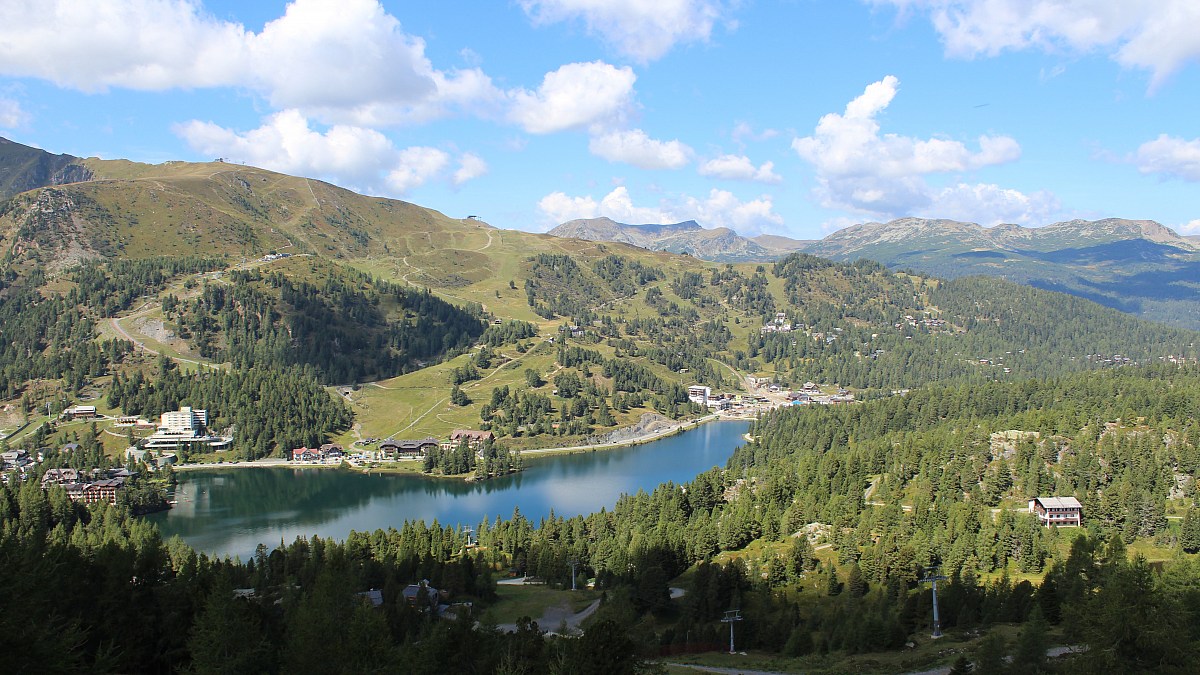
[{"x": 230, "y": 511}]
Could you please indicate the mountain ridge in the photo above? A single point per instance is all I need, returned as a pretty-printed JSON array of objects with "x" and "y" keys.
[
  {"x": 1137, "y": 266},
  {"x": 720, "y": 244}
]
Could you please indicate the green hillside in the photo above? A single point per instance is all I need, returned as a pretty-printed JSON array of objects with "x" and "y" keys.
[{"x": 287, "y": 273}]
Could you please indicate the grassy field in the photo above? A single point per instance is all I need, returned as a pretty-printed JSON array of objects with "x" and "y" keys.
[{"x": 532, "y": 600}]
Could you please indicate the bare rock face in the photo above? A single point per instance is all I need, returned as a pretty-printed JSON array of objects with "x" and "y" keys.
[{"x": 23, "y": 168}]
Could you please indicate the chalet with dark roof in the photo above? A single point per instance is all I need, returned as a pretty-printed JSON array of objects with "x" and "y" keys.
[
  {"x": 1059, "y": 511},
  {"x": 474, "y": 439},
  {"x": 60, "y": 477},
  {"x": 392, "y": 448}
]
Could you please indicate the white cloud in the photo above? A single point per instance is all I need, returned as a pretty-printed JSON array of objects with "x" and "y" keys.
[
  {"x": 349, "y": 155},
  {"x": 11, "y": 114},
  {"x": 470, "y": 167},
  {"x": 636, "y": 148},
  {"x": 1190, "y": 228},
  {"x": 558, "y": 208},
  {"x": 1158, "y": 35},
  {"x": 719, "y": 209},
  {"x": 347, "y": 62},
  {"x": 575, "y": 96},
  {"x": 415, "y": 166},
  {"x": 640, "y": 30},
  {"x": 858, "y": 169},
  {"x": 1170, "y": 156},
  {"x": 989, "y": 205},
  {"x": 739, "y": 167}
]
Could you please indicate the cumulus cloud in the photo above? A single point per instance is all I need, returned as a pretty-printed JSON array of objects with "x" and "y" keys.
[
  {"x": 643, "y": 31},
  {"x": 719, "y": 208},
  {"x": 558, "y": 207},
  {"x": 1170, "y": 156},
  {"x": 355, "y": 156},
  {"x": 347, "y": 62},
  {"x": 1158, "y": 36},
  {"x": 860, "y": 169},
  {"x": 988, "y": 205},
  {"x": 11, "y": 114},
  {"x": 575, "y": 96},
  {"x": 415, "y": 166},
  {"x": 470, "y": 167},
  {"x": 1190, "y": 228},
  {"x": 636, "y": 148},
  {"x": 739, "y": 167}
]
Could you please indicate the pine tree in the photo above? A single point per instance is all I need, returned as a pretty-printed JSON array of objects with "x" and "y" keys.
[
  {"x": 832, "y": 587},
  {"x": 1189, "y": 537},
  {"x": 855, "y": 583}
]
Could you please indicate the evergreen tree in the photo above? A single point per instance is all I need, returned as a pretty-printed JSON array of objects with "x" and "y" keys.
[{"x": 1189, "y": 535}]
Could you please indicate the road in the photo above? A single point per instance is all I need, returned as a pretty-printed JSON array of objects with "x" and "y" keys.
[
  {"x": 674, "y": 428},
  {"x": 559, "y": 619},
  {"x": 725, "y": 671}
]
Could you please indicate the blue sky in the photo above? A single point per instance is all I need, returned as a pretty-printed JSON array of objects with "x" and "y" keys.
[{"x": 792, "y": 117}]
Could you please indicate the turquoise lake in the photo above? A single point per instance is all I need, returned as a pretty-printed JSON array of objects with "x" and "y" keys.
[{"x": 230, "y": 511}]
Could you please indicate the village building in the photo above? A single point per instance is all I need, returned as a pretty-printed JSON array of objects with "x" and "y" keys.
[
  {"x": 474, "y": 439},
  {"x": 60, "y": 477},
  {"x": 699, "y": 394},
  {"x": 14, "y": 459},
  {"x": 306, "y": 455},
  {"x": 1060, "y": 511},
  {"x": 422, "y": 595},
  {"x": 79, "y": 412},
  {"x": 391, "y": 449},
  {"x": 101, "y": 491}
]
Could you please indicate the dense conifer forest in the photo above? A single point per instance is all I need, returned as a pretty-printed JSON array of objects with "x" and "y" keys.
[{"x": 888, "y": 489}]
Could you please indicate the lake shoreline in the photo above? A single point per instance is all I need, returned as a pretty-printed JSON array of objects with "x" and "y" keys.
[
  {"x": 230, "y": 512},
  {"x": 276, "y": 462}
]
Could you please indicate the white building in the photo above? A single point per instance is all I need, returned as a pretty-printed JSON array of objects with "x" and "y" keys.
[
  {"x": 699, "y": 394},
  {"x": 182, "y": 427}
]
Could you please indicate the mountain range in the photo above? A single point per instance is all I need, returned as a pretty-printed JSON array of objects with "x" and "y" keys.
[
  {"x": 1136, "y": 266},
  {"x": 718, "y": 245}
]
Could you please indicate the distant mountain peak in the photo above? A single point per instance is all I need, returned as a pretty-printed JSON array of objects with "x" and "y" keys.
[{"x": 719, "y": 244}]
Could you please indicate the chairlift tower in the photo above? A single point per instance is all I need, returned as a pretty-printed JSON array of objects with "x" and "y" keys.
[
  {"x": 932, "y": 578},
  {"x": 467, "y": 531},
  {"x": 732, "y": 616},
  {"x": 573, "y": 563}
]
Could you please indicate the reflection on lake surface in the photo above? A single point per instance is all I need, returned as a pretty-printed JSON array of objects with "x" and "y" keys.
[{"x": 230, "y": 511}]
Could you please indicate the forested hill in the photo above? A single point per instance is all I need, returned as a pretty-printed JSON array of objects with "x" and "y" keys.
[
  {"x": 865, "y": 327},
  {"x": 1137, "y": 266}
]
